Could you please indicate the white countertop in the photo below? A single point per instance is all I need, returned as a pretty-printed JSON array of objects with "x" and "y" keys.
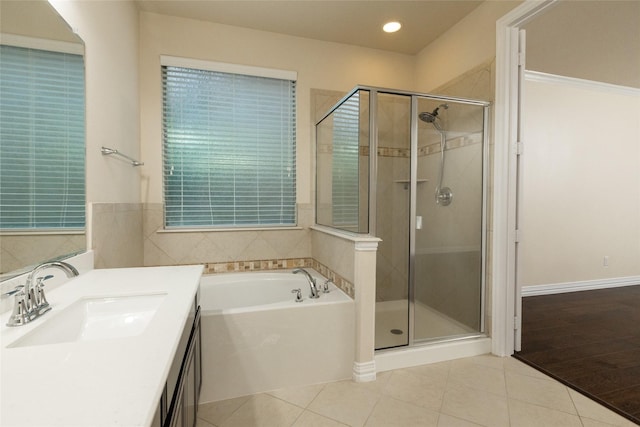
[{"x": 110, "y": 382}]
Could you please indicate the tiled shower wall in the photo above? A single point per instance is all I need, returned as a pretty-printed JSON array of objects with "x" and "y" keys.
[
  {"x": 392, "y": 213},
  {"x": 479, "y": 83}
]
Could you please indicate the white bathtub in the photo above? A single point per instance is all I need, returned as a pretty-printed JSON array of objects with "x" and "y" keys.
[{"x": 256, "y": 338}]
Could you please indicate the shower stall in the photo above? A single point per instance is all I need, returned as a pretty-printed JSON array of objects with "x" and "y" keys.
[{"x": 409, "y": 168}]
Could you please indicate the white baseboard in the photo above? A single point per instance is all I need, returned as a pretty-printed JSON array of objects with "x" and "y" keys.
[
  {"x": 585, "y": 285},
  {"x": 364, "y": 372}
]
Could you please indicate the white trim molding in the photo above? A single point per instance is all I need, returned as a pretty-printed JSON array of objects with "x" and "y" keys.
[
  {"x": 505, "y": 130},
  {"x": 539, "y": 77},
  {"x": 363, "y": 241},
  {"x": 584, "y": 285},
  {"x": 224, "y": 67},
  {"x": 41, "y": 44},
  {"x": 364, "y": 372}
]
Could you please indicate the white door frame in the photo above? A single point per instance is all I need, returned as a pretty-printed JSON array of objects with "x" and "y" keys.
[{"x": 505, "y": 185}]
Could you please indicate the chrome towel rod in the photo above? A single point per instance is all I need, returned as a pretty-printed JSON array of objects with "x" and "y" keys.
[{"x": 107, "y": 151}]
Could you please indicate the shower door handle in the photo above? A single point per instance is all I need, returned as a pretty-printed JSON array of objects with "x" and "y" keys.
[{"x": 419, "y": 222}]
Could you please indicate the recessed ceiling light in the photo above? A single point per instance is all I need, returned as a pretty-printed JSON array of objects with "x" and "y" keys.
[{"x": 391, "y": 27}]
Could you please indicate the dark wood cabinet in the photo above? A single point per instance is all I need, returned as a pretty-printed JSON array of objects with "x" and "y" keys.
[{"x": 179, "y": 404}]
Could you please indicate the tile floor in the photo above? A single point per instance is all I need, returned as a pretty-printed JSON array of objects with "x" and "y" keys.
[{"x": 476, "y": 391}]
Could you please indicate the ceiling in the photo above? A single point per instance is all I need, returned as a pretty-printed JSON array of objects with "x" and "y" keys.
[{"x": 350, "y": 22}]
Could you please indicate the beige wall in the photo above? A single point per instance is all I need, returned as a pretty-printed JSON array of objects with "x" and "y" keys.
[
  {"x": 469, "y": 43},
  {"x": 581, "y": 184},
  {"x": 110, "y": 34},
  {"x": 608, "y": 30},
  {"x": 34, "y": 19}
]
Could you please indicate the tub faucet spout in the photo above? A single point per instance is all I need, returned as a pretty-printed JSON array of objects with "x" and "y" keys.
[{"x": 311, "y": 280}]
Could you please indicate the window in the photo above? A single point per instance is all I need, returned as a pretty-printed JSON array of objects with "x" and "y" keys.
[
  {"x": 345, "y": 188},
  {"x": 228, "y": 148},
  {"x": 42, "y": 128}
]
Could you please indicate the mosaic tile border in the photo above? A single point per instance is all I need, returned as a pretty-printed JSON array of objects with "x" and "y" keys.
[
  {"x": 425, "y": 150},
  {"x": 281, "y": 264}
]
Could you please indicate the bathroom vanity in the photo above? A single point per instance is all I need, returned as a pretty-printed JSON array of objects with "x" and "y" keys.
[
  {"x": 118, "y": 347},
  {"x": 179, "y": 402}
]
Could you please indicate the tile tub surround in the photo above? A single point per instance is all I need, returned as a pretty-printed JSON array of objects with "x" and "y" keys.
[
  {"x": 172, "y": 247},
  {"x": 115, "y": 234},
  {"x": 281, "y": 264},
  {"x": 18, "y": 251},
  {"x": 476, "y": 391},
  {"x": 104, "y": 382}
]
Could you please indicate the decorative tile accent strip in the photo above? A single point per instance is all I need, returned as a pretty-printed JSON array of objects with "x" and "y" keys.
[
  {"x": 257, "y": 265},
  {"x": 394, "y": 152},
  {"x": 460, "y": 142},
  {"x": 425, "y": 150},
  {"x": 342, "y": 283},
  {"x": 281, "y": 264}
]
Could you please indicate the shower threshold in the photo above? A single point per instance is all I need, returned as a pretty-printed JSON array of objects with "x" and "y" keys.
[{"x": 430, "y": 325}]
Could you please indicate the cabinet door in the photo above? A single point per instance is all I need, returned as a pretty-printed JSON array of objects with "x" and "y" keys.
[
  {"x": 178, "y": 416},
  {"x": 198, "y": 353},
  {"x": 192, "y": 378},
  {"x": 190, "y": 393}
]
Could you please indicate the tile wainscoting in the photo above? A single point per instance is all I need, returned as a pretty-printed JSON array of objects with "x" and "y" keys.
[{"x": 281, "y": 264}]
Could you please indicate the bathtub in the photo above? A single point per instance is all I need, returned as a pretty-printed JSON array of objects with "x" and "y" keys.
[{"x": 256, "y": 338}]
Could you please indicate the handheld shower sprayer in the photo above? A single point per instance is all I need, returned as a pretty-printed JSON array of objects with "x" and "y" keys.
[
  {"x": 430, "y": 117},
  {"x": 443, "y": 195}
]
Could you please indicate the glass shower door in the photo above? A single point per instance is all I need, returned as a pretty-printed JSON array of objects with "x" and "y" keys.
[
  {"x": 392, "y": 215},
  {"x": 447, "y": 250}
]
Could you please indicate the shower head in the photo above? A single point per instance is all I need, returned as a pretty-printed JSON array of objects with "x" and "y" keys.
[{"x": 430, "y": 117}]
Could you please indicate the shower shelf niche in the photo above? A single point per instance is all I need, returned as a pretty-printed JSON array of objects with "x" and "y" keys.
[{"x": 406, "y": 182}]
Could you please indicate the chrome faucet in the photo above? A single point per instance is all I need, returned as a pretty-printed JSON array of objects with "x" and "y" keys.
[
  {"x": 31, "y": 302},
  {"x": 311, "y": 280}
]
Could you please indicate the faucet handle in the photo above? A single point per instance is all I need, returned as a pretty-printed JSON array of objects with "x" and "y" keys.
[
  {"x": 20, "y": 314},
  {"x": 42, "y": 305},
  {"x": 15, "y": 291},
  {"x": 40, "y": 280},
  {"x": 325, "y": 288},
  {"x": 298, "y": 293}
]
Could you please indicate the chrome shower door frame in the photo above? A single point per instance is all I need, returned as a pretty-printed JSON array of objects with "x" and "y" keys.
[
  {"x": 413, "y": 212},
  {"x": 373, "y": 187}
]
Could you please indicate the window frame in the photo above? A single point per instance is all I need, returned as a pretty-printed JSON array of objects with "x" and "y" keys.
[{"x": 246, "y": 70}]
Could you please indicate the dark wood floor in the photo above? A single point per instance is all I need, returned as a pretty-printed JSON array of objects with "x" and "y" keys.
[{"x": 590, "y": 341}]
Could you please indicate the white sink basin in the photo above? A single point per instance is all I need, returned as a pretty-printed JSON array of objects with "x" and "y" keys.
[{"x": 93, "y": 319}]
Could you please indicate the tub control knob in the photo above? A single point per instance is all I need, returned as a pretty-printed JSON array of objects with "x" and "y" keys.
[
  {"x": 325, "y": 288},
  {"x": 298, "y": 293}
]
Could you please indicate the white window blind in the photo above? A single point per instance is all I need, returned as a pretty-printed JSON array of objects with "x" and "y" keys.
[
  {"x": 345, "y": 186},
  {"x": 229, "y": 149},
  {"x": 42, "y": 140}
]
